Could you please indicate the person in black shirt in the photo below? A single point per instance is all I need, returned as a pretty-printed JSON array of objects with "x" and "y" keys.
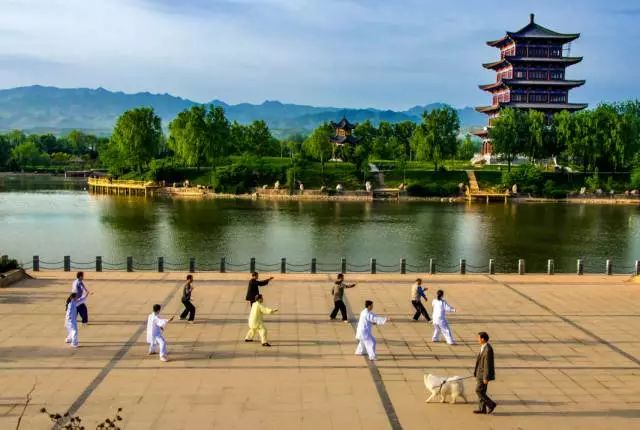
[
  {"x": 189, "y": 309},
  {"x": 253, "y": 289}
]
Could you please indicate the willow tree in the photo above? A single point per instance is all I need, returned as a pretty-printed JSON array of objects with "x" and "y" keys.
[
  {"x": 318, "y": 144},
  {"x": 506, "y": 134},
  {"x": 441, "y": 127}
]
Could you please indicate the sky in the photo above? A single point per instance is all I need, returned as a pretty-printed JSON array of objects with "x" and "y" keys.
[{"x": 388, "y": 54}]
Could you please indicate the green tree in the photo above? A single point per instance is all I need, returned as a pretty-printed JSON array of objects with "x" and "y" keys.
[
  {"x": 81, "y": 143},
  {"x": 136, "y": 138},
  {"x": 318, "y": 144},
  {"x": 403, "y": 132},
  {"x": 418, "y": 143},
  {"x": 188, "y": 136},
  {"x": 5, "y": 150},
  {"x": 466, "y": 148},
  {"x": 535, "y": 144},
  {"x": 506, "y": 134},
  {"x": 28, "y": 154},
  {"x": 260, "y": 140},
  {"x": 441, "y": 130}
]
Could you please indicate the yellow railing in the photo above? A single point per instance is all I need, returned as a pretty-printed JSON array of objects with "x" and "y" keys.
[{"x": 106, "y": 182}]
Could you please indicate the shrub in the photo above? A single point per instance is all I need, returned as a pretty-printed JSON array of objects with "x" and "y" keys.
[
  {"x": 635, "y": 178},
  {"x": 593, "y": 182},
  {"x": 432, "y": 190},
  {"x": 528, "y": 178}
]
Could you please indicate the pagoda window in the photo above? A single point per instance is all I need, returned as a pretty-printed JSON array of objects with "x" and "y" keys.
[
  {"x": 555, "y": 51},
  {"x": 537, "y": 74},
  {"x": 538, "y": 97},
  {"x": 558, "y": 98},
  {"x": 520, "y": 74},
  {"x": 521, "y": 51},
  {"x": 557, "y": 75}
]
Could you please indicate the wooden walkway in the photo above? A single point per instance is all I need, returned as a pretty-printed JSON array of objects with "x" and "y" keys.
[
  {"x": 474, "y": 192},
  {"x": 125, "y": 187}
]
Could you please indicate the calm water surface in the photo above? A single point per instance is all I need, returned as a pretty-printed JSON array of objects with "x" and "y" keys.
[{"x": 57, "y": 218}]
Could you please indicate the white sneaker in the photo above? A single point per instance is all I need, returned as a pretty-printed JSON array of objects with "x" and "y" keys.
[
  {"x": 165, "y": 359},
  {"x": 67, "y": 341},
  {"x": 74, "y": 346}
]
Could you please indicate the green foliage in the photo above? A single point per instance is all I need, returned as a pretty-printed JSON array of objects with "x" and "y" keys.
[
  {"x": 593, "y": 182},
  {"x": 245, "y": 174},
  {"x": 28, "y": 154},
  {"x": 136, "y": 139},
  {"x": 635, "y": 178},
  {"x": 318, "y": 144},
  {"x": 432, "y": 190},
  {"x": 466, "y": 149},
  {"x": 508, "y": 133},
  {"x": 440, "y": 128},
  {"x": 199, "y": 136},
  {"x": 529, "y": 178},
  {"x": 8, "y": 264}
]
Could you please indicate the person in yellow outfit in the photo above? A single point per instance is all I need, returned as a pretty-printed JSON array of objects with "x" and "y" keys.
[{"x": 256, "y": 322}]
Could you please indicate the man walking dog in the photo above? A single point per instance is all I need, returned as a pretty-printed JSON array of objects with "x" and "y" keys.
[{"x": 484, "y": 372}]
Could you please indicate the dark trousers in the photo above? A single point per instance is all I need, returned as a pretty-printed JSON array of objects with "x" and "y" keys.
[
  {"x": 484, "y": 401},
  {"x": 189, "y": 309},
  {"x": 420, "y": 310},
  {"x": 83, "y": 312},
  {"x": 339, "y": 305}
]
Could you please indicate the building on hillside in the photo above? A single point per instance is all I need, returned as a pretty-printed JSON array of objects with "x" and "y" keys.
[
  {"x": 530, "y": 74},
  {"x": 343, "y": 135}
]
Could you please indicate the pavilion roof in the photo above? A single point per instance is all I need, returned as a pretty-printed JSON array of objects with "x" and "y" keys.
[
  {"x": 549, "y": 60},
  {"x": 342, "y": 140},
  {"x": 537, "y": 83},
  {"x": 343, "y": 123},
  {"x": 534, "y": 31},
  {"x": 537, "y": 106}
]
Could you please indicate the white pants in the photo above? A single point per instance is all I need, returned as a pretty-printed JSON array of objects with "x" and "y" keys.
[
  {"x": 158, "y": 341},
  {"x": 442, "y": 327},
  {"x": 72, "y": 333},
  {"x": 368, "y": 345}
]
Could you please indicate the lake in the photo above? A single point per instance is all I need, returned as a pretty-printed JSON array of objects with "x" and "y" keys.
[{"x": 53, "y": 217}]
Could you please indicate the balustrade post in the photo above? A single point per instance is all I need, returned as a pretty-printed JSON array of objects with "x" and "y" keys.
[
  {"x": 609, "y": 267},
  {"x": 192, "y": 265},
  {"x": 580, "y": 267},
  {"x": 637, "y": 267},
  {"x": 432, "y": 266},
  {"x": 36, "y": 263},
  {"x": 67, "y": 263},
  {"x": 521, "y": 268},
  {"x": 129, "y": 264},
  {"x": 283, "y": 265},
  {"x": 314, "y": 265},
  {"x": 463, "y": 266},
  {"x": 403, "y": 266},
  {"x": 343, "y": 265},
  {"x": 551, "y": 267},
  {"x": 223, "y": 265},
  {"x": 373, "y": 266},
  {"x": 252, "y": 265},
  {"x": 492, "y": 266},
  {"x": 98, "y": 263},
  {"x": 160, "y": 264}
]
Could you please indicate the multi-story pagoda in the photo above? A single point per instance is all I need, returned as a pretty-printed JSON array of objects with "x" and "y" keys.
[
  {"x": 343, "y": 135},
  {"x": 530, "y": 74}
]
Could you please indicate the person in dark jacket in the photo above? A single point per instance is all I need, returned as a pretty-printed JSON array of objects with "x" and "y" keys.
[
  {"x": 254, "y": 287},
  {"x": 484, "y": 372},
  {"x": 338, "y": 298},
  {"x": 189, "y": 309}
]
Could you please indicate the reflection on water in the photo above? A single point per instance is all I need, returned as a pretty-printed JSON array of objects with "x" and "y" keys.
[{"x": 56, "y": 223}]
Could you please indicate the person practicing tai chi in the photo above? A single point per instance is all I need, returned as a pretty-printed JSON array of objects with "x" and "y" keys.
[
  {"x": 366, "y": 341},
  {"x": 484, "y": 372},
  {"x": 253, "y": 290},
  {"x": 256, "y": 321},
  {"x": 189, "y": 309},
  {"x": 417, "y": 294},
  {"x": 338, "y": 298},
  {"x": 80, "y": 289},
  {"x": 440, "y": 325},
  {"x": 155, "y": 327},
  {"x": 71, "y": 318}
]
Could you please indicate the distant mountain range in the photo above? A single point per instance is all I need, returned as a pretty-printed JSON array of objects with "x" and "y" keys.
[{"x": 50, "y": 109}]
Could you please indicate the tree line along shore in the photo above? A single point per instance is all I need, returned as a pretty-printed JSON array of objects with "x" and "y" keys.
[{"x": 599, "y": 150}]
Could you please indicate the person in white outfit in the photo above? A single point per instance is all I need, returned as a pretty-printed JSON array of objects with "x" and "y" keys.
[
  {"x": 439, "y": 315},
  {"x": 71, "y": 318},
  {"x": 366, "y": 341},
  {"x": 155, "y": 327}
]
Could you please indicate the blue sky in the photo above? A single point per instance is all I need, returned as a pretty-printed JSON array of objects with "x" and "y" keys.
[{"x": 355, "y": 53}]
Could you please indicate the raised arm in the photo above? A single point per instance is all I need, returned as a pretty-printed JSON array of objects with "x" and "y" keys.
[
  {"x": 375, "y": 319},
  {"x": 448, "y": 307},
  {"x": 266, "y": 310}
]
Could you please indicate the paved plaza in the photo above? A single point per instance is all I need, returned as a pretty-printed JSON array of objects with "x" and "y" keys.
[{"x": 567, "y": 354}]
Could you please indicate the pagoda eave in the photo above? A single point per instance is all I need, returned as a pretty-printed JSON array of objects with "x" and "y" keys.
[
  {"x": 511, "y": 83},
  {"x": 510, "y": 59},
  {"x": 547, "y": 106}
]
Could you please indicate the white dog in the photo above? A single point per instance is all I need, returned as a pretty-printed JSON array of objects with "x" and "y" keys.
[{"x": 439, "y": 386}]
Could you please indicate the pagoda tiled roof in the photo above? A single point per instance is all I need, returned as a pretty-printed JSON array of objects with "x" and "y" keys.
[
  {"x": 522, "y": 82},
  {"x": 534, "y": 31},
  {"x": 550, "y": 60},
  {"x": 344, "y": 124},
  {"x": 341, "y": 140},
  {"x": 537, "y": 106}
]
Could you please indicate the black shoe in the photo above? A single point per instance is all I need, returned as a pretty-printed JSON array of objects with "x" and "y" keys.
[
  {"x": 492, "y": 408},
  {"x": 248, "y": 340},
  {"x": 182, "y": 319},
  {"x": 480, "y": 412},
  {"x": 266, "y": 344}
]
